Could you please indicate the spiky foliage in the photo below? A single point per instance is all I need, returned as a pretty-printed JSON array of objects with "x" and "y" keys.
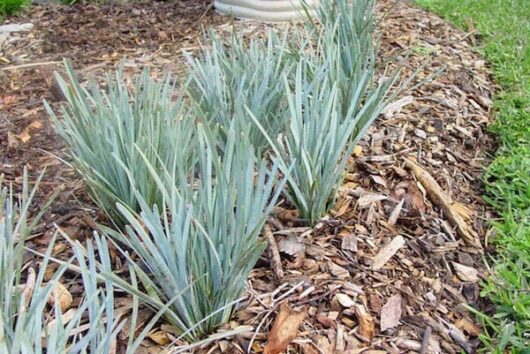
[
  {"x": 345, "y": 47},
  {"x": 99, "y": 298},
  {"x": 95, "y": 267},
  {"x": 336, "y": 98},
  {"x": 231, "y": 75},
  {"x": 316, "y": 144},
  {"x": 28, "y": 324},
  {"x": 110, "y": 132},
  {"x": 15, "y": 227},
  {"x": 196, "y": 249}
]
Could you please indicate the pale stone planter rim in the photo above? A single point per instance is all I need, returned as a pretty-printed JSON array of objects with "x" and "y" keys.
[{"x": 263, "y": 10}]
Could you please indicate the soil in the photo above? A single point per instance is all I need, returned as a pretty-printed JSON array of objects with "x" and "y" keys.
[{"x": 391, "y": 269}]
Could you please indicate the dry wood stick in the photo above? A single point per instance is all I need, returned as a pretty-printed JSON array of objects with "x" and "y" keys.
[
  {"x": 425, "y": 340},
  {"x": 443, "y": 201},
  {"x": 274, "y": 253},
  {"x": 31, "y": 65}
]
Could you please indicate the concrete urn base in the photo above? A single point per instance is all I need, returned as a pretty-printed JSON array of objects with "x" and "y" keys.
[{"x": 263, "y": 10}]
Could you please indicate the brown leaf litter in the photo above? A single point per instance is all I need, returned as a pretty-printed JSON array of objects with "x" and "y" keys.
[{"x": 388, "y": 271}]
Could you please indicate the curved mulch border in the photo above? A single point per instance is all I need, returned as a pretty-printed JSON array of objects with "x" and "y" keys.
[{"x": 329, "y": 270}]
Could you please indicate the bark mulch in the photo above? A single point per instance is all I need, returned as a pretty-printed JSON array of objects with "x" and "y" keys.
[{"x": 394, "y": 265}]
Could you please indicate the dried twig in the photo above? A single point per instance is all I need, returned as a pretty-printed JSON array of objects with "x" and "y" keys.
[
  {"x": 425, "y": 340},
  {"x": 31, "y": 65},
  {"x": 274, "y": 253},
  {"x": 442, "y": 200}
]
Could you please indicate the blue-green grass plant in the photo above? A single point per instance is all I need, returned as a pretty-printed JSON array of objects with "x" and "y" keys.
[
  {"x": 334, "y": 96},
  {"x": 347, "y": 48},
  {"x": 196, "y": 249},
  {"x": 110, "y": 133},
  {"x": 28, "y": 324},
  {"x": 318, "y": 140},
  {"x": 230, "y": 75}
]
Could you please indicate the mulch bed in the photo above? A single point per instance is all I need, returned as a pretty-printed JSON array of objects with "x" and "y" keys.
[{"x": 392, "y": 267}]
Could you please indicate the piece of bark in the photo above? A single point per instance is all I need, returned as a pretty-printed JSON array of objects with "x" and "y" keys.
[
  {"x": 338, "y": 271},
  {"x": 60, "y": 296},
  {"x": 391, "y": 313},
  {"x": 284, "y": 329},
  {"x": 394, "y": 216},
  {"x": 460, "y": 339},
  {"x": 349, "y": 243},
  {"x": 344, "y": 300},
  {"x": 442, "y": 200},
  {"x": 366, "y": 322},
  {"x": 425, "y": 340},
  {"x": 466, "y": 273},
  {"x": 387, "y": 251},
  {"x": 290, "y": 245},
  {"x": 274, "y": 254},
  {"x": 396, "y": 106}
]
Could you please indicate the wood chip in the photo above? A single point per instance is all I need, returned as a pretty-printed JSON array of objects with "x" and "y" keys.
[
  {"x": 323, "y": 344},
  {"x": 349, "y": 243},
  {"x": 159, "y": 337},
  {"x": 338, "y": 271},
  {"x": 460, "y": 339},
  {"x": 345, "y": 300},
  {"x": 468, "y": 326},
  {"x": 290, "y": 245},
  {"x": 284, "y": 329},
  {"x": 16, "y": 27},
  {"x": 391, "y": 313},
  {"x": 366, "y": 322},
  {"x": 368, "y": 199},
  {"x": 379, "y": 180},
  {"x": 27, "y": 293},
  {"x": 394, "y": 216},
  {"x": 12, "y": 141},
  {"x": 396, "y": 106},
  {"x": 466, "y": 273},
  {"x": 387, "y": 252},
  {"x": 60, "y": 296},
  {"x": 433, "y": 346}
]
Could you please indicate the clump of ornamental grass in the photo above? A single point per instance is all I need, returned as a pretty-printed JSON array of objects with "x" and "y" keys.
[
  {"x": 316, "y": 144},
  {"x": 346, "y": 50},
  {"x": 230, "y": 75},
  {"x": 109, "y": 133},
  {"x": 28, "y": 324},
  {"x": 334, "y": 97},
  {"x": 93, "y": 263},
  {"x": 196, "y": 249}
]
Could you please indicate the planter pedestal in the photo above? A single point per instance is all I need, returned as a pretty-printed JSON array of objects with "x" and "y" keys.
[{"x": 263, "y": 10}]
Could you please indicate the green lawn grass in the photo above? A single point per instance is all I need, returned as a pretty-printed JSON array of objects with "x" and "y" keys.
[
  {"x": 504, "y": 29},
  {"x": 8, "y": 7}
]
